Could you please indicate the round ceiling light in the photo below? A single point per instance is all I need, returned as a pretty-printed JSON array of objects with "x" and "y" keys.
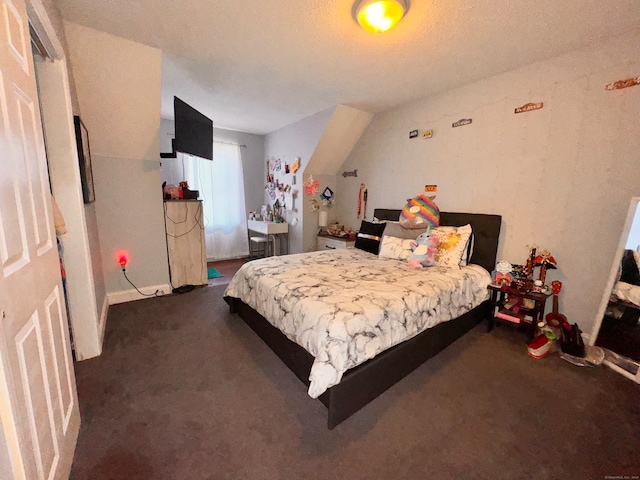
[{"x": 377, "y": 16}]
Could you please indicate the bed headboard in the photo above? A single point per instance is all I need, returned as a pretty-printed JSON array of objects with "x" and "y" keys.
[{"x": 486, "y": 231}]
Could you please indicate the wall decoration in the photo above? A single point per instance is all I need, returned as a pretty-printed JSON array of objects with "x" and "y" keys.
[
  {"x": 272, "y": 164},
  {"x": 360, "y": 194},
  {"x": 352, "y": 173},
  {"x": 527, "y": 107},
  {"x": 311, "y": 186},
  {"x": 629, "y": 82},
  {"x": 84, "y": 157},
  {"x": 427, "y": 134},
  {"x": 286, "y": 168},
  {"x": 413, "y": 133},
  {"x": 461, "y": 123},
  {"x": 278, "y": 165},
  {"x": 296, "y": 165},
  {"x": 271, "y": 190},
  {"x": 431, "y": 188}
]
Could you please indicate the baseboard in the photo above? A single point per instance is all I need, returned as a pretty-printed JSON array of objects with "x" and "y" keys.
[
  {"x": 103, "y": 318},
  {"x": 131, "y": 295}
]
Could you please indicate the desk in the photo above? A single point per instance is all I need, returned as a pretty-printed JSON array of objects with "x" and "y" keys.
[{"x": 271, "y": 228}]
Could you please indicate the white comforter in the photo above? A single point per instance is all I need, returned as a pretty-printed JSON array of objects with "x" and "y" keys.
[{"x": 346, "y": 306}]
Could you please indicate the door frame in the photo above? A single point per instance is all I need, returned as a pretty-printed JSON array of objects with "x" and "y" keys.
[{"x": 613, "y": 276}]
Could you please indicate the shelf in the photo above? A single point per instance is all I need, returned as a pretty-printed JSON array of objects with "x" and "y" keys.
[{"x": 510, "y": 316}]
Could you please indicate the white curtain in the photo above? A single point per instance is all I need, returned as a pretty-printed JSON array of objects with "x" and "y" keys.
[{"x": 221, "y": 187}]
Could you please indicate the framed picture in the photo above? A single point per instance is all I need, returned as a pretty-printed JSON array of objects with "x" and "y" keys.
[{"x": 84, "y": 157}]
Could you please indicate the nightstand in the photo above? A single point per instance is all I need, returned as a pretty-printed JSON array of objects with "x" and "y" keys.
[
  {"x": 528, "y": 316},
  {"x": 327, "y": 242}
]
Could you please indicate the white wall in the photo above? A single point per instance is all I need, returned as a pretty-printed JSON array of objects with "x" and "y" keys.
[
  {"x": 252, "y": 160},
  {"x": 84, "y": 300},
  {"x": 86, "y": 296},
  {"x": 298, "y": 140},
  {"x": 118, "y": 88},
  {"x": 561, "y": 177}
]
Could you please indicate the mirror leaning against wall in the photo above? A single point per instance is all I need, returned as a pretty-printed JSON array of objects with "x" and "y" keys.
[{"x": 618, "y": 318}]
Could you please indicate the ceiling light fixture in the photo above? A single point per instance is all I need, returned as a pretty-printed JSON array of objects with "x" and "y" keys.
[{"x": 378, "y": 16}]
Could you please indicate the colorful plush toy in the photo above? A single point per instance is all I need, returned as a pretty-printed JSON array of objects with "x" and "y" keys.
[
  {"x": 423, "y": 251},
  {"x": 420, "y": 212}
]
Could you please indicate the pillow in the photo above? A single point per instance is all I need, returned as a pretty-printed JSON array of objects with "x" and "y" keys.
[
  {"x": 369, "y": 236},
  {"x": 395, "y": 247},
  {"x": 420, "y": 212},
  {"x": 397, "y": 230},
  {"x": 466, "y": 256},
  {"x": 452, "y": 245}
]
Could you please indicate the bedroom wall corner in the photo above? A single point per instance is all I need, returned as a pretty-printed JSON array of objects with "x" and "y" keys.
[{"x": 297, "y": 140}]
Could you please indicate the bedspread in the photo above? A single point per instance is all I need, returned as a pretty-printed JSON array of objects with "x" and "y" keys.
[{"x": 345, "y": 306}]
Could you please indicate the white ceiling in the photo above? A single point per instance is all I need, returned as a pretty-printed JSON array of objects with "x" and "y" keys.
[{"x": 259, "y": 65}]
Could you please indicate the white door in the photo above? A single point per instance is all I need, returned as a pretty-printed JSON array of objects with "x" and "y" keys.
[{"x": 38, "y": 401}]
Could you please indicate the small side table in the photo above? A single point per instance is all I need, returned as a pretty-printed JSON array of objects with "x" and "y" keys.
[{"x": 499, "y": 295}]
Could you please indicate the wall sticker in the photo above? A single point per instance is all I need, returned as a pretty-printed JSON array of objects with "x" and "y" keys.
[
  {"x": 527, "y": 107},
  {"x": 629, "y": 82},
  {"x": 461, "y": 123}
]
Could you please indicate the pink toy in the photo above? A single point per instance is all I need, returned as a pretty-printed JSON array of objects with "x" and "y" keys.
[{"x": 423, "y": 251}]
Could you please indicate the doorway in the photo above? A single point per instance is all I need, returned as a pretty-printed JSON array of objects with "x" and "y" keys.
[{"x": 618, "y": 327}]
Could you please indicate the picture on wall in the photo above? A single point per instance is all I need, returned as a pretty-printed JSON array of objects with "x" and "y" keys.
[{"x": 84, "y": 157}]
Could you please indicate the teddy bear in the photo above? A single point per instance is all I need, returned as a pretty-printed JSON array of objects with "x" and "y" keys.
[{"x": 423, "y": 251}]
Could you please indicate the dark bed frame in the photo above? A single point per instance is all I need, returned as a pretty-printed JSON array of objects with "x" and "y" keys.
[{"x": 365, "y": 382}]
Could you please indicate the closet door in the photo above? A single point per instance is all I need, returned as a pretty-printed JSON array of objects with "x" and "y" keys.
[{"x": 38, "y": 403}]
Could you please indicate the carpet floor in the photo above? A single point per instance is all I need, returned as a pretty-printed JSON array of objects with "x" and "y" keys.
[{"x": 184, "y": 390}]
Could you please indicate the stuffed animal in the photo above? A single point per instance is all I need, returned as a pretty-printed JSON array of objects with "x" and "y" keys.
[{"x": 423, "y": 251}]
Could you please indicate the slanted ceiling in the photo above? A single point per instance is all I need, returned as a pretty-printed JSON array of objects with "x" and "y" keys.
[{"x": 342, "y": 133}]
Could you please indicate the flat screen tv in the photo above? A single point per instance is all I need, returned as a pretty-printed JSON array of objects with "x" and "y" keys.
[{"x": 194, "y": 131}]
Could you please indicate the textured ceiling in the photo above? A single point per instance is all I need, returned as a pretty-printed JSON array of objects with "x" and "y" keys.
[{"x": 259, "y": 65}]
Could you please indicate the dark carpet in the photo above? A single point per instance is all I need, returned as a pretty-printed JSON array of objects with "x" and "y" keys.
[{"x": 184, "y": 390}]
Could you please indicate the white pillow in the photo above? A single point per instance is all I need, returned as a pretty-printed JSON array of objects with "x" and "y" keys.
[
  {"x": 452, "y": 245},
  {"x": 395, "y": 248}
]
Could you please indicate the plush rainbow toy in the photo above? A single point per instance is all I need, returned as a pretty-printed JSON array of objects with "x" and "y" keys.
[{"x": 420, "y": 211}]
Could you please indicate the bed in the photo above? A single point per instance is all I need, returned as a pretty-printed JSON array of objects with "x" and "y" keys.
[{"x": 363, "y": 378}]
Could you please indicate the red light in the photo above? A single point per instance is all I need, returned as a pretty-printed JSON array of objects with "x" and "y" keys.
[{"x": 122, "y": 257}]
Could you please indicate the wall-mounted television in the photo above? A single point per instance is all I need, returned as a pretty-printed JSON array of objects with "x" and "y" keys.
[{"x": 194, "y": 131}]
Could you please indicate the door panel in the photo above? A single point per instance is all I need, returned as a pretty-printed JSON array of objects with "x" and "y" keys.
[
  {"x": 35, "y": 382},
  {"x": 60, "y": 358},
  {"x": 35, "y": 176},
  {"x": 38, "y": 400},
  {"x": 13, "y": 242}
]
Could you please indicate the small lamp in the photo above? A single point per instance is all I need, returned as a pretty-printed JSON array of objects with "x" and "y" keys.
[
  {"x": 323, "y": 220},
  {"x": 378, "y": 16}
]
